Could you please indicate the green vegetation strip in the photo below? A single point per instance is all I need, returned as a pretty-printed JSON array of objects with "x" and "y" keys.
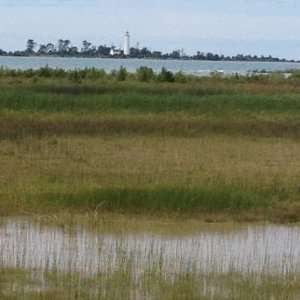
[
  {"x": 145, "y": 102},
  {"x": 232, "y": 202},
  {"x": 162, "y": 199},
  {"x": 20, "y": 128},
  {"x": 215, "y": 203}
]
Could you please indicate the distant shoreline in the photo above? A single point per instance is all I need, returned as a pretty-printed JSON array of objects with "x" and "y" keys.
[
  {"x": 266, "y": 59},
  {"x": 64, "y": 48}
]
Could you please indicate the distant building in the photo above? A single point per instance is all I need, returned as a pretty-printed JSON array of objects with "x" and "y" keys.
[
  {"x": 127, "y": 44},
  {"x": 126, "y": 52},
  {"x": 114, "y": 52}
]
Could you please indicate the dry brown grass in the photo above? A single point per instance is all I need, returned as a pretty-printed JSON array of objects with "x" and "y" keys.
[{"x": 113, "y": 161}]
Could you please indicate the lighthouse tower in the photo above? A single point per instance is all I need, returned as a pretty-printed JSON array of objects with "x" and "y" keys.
[{"x": 127, "y": 44}]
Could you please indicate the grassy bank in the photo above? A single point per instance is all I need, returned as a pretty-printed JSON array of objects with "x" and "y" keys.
[
  {"x": 18, "y": 284},
  {"x": 196, "y": 147}
]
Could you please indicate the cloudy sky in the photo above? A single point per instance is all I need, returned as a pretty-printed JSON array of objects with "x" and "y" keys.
[{"x": 227, "y": 27}]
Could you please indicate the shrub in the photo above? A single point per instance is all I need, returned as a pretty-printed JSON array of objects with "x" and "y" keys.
[
  {"x": 58, "y": 73},
  {"x": 74, "y": 76},
  {"x": 45, "y": 72},
  {"x": 165, "y": 76},
  {"x": 295, "y": 75},
  {"x": 94, "y": 73},
  {"x": 29, "y": 73},
  {"x": 144, "y": 74},
  {"x": 181, "y": 78},
  {"x": 121, "y": 74}
]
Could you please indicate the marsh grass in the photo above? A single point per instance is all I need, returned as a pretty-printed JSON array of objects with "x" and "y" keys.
[
  {"x": 55, "y": 106},
  {"x": 18, "y": 284},
  {"x": 114, "y": 152},
  {"x": 121, "y": 286},
  {"x": 109, "y": 262},
  {"x": 153, "y": 99},
  {"x": 14, "y": 129},
  {"x": 162, "y": 200},
  {"x": 198, "y": 145},
  {"x": 152, "y": 175}
]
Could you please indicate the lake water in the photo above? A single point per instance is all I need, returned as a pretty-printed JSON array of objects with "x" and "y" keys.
[
  {"x": 200, "y": 68},
  {"x": 268, "y": 249}
]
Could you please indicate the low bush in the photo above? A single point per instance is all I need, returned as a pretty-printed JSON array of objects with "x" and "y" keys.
[
  {"x": 165, "y": 76},
  {"x": 121, "y": 74},
  {"x": 144, "y": 74}
]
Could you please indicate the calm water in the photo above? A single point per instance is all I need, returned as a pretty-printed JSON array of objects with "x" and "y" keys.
[
  {"x": 264, "y": 250},
  {"x": 190, "y": 67}
]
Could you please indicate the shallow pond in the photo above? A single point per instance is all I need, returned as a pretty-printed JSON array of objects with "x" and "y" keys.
[{"x": 259, "y": 249}]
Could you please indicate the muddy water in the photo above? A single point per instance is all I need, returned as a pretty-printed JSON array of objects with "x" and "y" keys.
[{"x": 260, "y": 249}]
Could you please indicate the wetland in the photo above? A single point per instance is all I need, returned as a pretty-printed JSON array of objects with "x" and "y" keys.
[{"x": 149, "y": 186}]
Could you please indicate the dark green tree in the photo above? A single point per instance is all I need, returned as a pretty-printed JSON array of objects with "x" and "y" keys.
[
  {"x": 31, "y": 44},
  {"x": 50, "y": 48},
  {"x": 85, "y": 46},
  {"x": 42, "y": 49}
]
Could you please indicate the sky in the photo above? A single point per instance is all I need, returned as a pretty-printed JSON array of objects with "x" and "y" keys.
[{"x": 229, "y": 27}]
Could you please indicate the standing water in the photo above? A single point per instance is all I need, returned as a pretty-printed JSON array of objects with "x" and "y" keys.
[
  {"x": 193, "y": 67},
  {"x": 268, "y": 249}
]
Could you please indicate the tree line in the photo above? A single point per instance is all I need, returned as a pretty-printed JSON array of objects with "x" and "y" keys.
[{"x": 87, "y": 49}]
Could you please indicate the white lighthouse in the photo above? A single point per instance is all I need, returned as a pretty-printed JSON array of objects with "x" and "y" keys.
[{"x": 127, "y": 44}]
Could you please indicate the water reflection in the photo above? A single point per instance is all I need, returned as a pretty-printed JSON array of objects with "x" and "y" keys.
[{"x": 266, "y": 249}]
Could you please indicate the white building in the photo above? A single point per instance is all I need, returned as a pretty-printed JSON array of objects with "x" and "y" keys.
[
  {"x": 114, "y": 51},
  {"x": 127, "y": 44}
]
